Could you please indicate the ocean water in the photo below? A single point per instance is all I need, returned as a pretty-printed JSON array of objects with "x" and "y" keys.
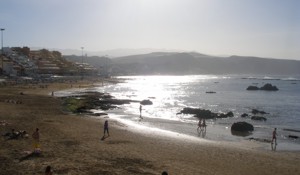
[{"x": 170, "y": 94}]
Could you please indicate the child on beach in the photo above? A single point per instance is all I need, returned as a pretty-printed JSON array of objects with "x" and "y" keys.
[{"x": 36, "y": 140}]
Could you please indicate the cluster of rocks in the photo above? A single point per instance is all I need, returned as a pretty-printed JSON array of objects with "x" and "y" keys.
[
  {"x": 96, "y": 100},
  {"x": 244, "y": 128},
  {"x": 256, "y": 114},
  {"x": 205, "y": 114},
  {"x": 266, "y": 87}
]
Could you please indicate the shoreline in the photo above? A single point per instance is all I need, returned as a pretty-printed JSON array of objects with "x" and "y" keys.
[{"x": 71, "y": 145}]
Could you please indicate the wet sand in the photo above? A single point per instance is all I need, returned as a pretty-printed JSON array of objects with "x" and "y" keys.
[{"x": 72, "y": 144}]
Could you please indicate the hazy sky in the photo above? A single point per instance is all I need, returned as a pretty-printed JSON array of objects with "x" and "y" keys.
[{"x": 266, "y": 28}]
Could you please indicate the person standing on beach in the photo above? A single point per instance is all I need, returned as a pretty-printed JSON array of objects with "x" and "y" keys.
[
  {"x": 106, "y": 127},
  {"x": 204, "y": 125},
  {"x": 274, "y": 137},
  {"x": 141, "y": 111},
  {"x": 199, "y": 125},
  {"x": 36, "y": 140}
]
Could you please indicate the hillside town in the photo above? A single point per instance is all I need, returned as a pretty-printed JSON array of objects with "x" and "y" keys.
[{"x": 22, "y": 61}]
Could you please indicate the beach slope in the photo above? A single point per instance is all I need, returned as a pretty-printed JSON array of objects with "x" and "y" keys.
[{"x": 71, "y": 144}]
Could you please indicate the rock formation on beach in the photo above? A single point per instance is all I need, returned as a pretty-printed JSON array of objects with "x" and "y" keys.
[
  {"x": 93, "y": 100},
  {"x": 242, "y": 127}
]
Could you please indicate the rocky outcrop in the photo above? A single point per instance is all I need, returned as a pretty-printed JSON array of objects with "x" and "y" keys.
[
  {"x": 269, "y": 87},
  {"x": 228, "y": 114},
  {"x": 205, "y": 114},
  {"x": 255, "y": 111},
  {"x": 244, "y": 115},
  {"x": 266, "y": 87},
  {"x": 260, "y": 118},
  {"x": 293, "y": 136},
  {"x": 252, "y": 88},
  {"x": 242, "y": 127},
  {"x": 210, "y": 92},
  {"x": 93, "y": 100},
  {"x": 146, "y": 102}
]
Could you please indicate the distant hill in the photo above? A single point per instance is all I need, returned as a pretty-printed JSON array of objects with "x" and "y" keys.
[
  {"x": 175, "y": 63},
  {"x": 96, "y": 61},
  {"x": 186, "y": 63}
]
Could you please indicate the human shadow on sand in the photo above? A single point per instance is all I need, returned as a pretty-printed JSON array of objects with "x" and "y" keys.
[
  {"x": 202, "y": 133},
  {"x": 104, "y": 137},
  {"x": 30, "y": 156}
]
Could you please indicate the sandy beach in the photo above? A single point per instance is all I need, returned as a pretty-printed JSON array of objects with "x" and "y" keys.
[{"x": 72, "y": 144}]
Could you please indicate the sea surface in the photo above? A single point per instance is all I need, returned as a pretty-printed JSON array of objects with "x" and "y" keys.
[{"x": 170, "y": 94}]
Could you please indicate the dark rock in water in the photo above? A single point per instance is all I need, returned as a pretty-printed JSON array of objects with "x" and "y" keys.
[
  {"x": 244, "y": 115},
  {"x": 204, "y": 114},
  {"x": 251, "y": 88},
  {"x": 199, "y": 113},
  {"x": 99, "y": 114},
  {"x": 293, "y": 137},
  {"x": 269, "y": 87},
  {"x": 258, "y": 118},
  {"x": 255, "y": 111},
  {"x": 266, "y": 87},
  {"x": 242, "y": 127},
  {"x": 229, "y": 114},
  {"x": 293, "y": 130},
  {"x": 146, "y": 102},
  {"x": 260, "y": 140}
]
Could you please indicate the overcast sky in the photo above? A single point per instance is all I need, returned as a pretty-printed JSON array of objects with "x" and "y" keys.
[{"x": 265, "y": 28}]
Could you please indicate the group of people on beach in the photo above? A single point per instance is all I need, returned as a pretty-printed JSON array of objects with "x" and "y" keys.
[{"x": 201, "y": 125}]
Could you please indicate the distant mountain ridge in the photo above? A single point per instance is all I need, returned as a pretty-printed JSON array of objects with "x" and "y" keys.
[
  {"x": 186, "y": 63},
  {"x": 196, "y": 63}
]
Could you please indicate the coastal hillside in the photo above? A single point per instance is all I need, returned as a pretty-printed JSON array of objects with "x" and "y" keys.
[
  {"x": 196, "y": 63},
  {"x": 187, "y": 63}
]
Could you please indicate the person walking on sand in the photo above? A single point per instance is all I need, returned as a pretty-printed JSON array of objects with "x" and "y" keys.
[
  {"x": 36, "y": 140},
  {"x": 106, "y": 128},
  {"x": 274, "y": 136},
  {"x": 204, "y": 125}
]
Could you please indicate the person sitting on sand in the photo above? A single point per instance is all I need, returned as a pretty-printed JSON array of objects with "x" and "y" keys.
[
  {"x": 106, "y": 127},
  {"x": 274, "y": 137},
  {"x": 36, "y": 140},
  {"x": 12, "y": 135}
]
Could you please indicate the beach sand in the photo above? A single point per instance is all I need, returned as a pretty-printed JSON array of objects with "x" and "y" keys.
[{"x": 71, "y": 144}]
